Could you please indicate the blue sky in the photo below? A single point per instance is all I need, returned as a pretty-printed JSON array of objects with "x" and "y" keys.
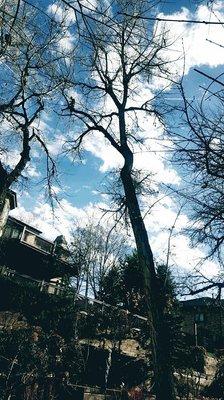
[
  {"x": 80, "y": 184},
  {"x": 170, "y": 7}
]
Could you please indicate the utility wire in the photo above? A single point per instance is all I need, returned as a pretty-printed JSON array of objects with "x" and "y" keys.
[
  {"x": 189, "y": 21},
  {"x": 158, "y": 19}
]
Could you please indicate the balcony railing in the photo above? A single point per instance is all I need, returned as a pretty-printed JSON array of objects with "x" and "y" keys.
[
  {"x": 31, "y": 239},
  {"x": 55, "y": 286}
]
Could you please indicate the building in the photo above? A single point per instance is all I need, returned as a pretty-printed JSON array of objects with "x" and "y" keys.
[
  {"x": 25, "y": 251},
  {"x": 203, "y": 321}
]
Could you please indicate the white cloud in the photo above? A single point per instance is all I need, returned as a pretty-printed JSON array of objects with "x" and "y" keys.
[
  {"x": 56, "y": 189},
  {"x": 150, "y": 156},
  {"x": 66, "y": 43},
  {"x": 99, "y": 147},
  {"x": 51, "y": 136},
  {"x": 61, "y": 15},
  {"x": 31, "y": 171},
  {"x": 158, "y": 223},
  {"x": 35, "y": 152},
  {"x": 89, "y": 5},
  {"x": 41, "y": 124},
  {"x": 55, "y": 144},
  {"x": 190, "y": 38},
  {"x": 190, "y": 45},
  {"x": 60, "y": 222},
  {"x": 182, "y": 255},
  {"x": 66, "y": 17},
  {"x": 24, "y": 215},
  {"x": 11, "y": 158}
]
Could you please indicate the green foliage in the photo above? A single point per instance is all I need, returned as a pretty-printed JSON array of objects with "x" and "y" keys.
[
  {"x": 172, "y": 337},
  {"x": 183, "y": 355},
  {"x": 166, "y": 288},
  {"x": 112, "y": 291},
  {"x": 123, "y": 285}
]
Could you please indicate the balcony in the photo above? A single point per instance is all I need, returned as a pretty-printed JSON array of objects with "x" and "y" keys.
[
  {"x": 37, "y": 242},
  {"x": 25, "y": 250}
]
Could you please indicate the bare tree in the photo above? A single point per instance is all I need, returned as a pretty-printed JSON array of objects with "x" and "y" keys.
[
  {"x": 30, "y": 77},
  {"x": 199, "y": 150},
  {"x": 95, "y": 249},
  {"x": 120, "y": 52},
  {"x": 196, "y": 283}
]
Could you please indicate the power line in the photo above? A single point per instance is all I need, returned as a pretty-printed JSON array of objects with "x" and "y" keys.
[
  {"x": 158, "y": 19},
  {"x": 189, "y": 21}
]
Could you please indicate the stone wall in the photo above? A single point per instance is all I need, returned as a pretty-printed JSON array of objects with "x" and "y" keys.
[{"x": 209, "y": 330}]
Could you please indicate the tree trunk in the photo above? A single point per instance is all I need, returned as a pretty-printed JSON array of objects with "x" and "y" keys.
[
  {"x": 161, "y": 355},
  {"x": 3, "y": 187},
  {"x": 4, "y": 208},
  {"x": 3, "y": 194}
]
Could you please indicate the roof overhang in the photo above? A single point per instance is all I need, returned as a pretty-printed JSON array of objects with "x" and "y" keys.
[{"x": 24, "y": 224}]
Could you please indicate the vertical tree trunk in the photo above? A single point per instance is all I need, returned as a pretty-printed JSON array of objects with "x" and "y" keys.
[
  {"x": 163, "y": 373},
  {"x": 3, "y": 191},
  {"x": 2, "y": 199},
  {"x": 4, "y": 209}
]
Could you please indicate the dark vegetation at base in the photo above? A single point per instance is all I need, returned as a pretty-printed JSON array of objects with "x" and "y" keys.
[
  {"x": 39, "y": 308},
  {"x": 49, "y": 347},
  {"x": 190, "y": 357},
  {"x": 34, "y": 358},
  {"x": 47, "y": 354}
]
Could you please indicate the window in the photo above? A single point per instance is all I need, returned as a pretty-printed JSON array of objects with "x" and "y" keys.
[
  {"x": 15, "y": 233},
  {"x": 12, "y": 232},
  {"x": 199, "y": 317}
]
